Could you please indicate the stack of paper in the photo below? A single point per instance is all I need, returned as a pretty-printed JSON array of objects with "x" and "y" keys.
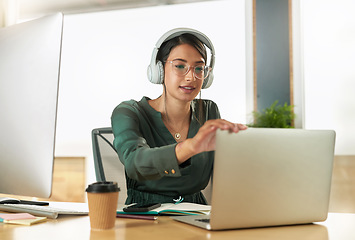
[{"x": 21, "y": 218}]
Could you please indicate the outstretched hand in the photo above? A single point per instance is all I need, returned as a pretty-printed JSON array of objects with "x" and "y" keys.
[{"x": 205, "y": 139}]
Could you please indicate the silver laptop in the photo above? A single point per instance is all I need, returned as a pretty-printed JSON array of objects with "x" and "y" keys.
[{"x": 269, "y": 177}]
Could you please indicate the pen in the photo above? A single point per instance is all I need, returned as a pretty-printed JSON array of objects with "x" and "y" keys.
[{"x": 133, "y": 216}]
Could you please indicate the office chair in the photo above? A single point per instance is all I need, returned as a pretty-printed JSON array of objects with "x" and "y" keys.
[
  {"x": 107, "y": 164},
  {"x": 109, "y": 168}
]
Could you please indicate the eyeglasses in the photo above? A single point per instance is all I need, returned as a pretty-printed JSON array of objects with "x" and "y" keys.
[{"x": 181, "y": 68}]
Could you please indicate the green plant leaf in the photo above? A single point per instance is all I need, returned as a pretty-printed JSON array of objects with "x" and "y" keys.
[{"x": 275, "y": 116}]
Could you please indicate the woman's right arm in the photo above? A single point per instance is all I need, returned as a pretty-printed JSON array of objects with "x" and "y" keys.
[{"x": 205, "y": 139}]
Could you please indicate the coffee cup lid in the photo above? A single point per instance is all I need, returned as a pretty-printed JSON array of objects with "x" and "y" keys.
[{"x": 103, "y": 187}]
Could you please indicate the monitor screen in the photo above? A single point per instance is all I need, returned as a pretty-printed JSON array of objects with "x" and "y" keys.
[{"x": 29, "y": 75}]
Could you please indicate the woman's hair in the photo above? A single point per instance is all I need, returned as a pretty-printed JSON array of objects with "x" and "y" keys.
[
  {"x": 164, "y": 52},
  {"x": 185, "y": 38}
]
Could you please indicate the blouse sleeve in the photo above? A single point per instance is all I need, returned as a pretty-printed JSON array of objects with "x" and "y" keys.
[{"x": 141, "y": 161}]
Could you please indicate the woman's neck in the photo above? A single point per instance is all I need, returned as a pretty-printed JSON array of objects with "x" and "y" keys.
[
  {"x": 175, "y": 115},
  {"x": 172, "y": 110}
]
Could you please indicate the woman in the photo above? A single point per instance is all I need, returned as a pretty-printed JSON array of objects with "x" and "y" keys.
[{"x": 166, "y": 144}]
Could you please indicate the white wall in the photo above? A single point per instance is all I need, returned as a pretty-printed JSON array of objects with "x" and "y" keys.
[
  {"x": 105, "y": 56},
  {"x": 329, "y": 73}
]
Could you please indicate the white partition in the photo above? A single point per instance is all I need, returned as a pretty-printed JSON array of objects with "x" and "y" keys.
[
  {"x": 329, "y": 73},
  {"x": 106, "y": 54}
]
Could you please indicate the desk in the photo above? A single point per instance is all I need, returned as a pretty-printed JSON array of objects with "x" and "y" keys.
[{"x": 339, "y": 226}]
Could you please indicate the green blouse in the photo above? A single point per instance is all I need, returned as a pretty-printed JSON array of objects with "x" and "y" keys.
[{"x": 147, "y": 150}]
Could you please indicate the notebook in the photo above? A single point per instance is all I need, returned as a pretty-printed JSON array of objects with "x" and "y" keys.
[
  {"x": 183, "y": 208},
  {"x": 269, "y": 177}
]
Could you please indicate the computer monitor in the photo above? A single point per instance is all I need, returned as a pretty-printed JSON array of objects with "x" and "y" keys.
[{"x": 29, "y": 75}]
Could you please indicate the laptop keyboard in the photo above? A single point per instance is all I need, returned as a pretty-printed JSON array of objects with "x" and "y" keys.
[{"x": 205, "y": 220}]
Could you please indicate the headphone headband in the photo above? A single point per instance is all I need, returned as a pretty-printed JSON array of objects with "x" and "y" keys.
[
  {"x": 179, "y": 31},
  {"x": 156, "y": 69}
]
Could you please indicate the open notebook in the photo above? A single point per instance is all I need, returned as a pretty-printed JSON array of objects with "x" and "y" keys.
[
  {"x": 268, "y": 177},
  {"x": 182, "y": 208}
]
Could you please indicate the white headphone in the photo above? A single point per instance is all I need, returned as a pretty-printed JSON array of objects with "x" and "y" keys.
[{"x": 156, "y": 70}]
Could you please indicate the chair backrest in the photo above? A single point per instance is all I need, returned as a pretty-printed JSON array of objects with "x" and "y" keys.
[
  {"x": 107, "y": 164},
  {"x": 207, "y": 192}
]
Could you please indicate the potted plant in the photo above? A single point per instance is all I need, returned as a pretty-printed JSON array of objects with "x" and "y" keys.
[{"x": 276, "y": 116}]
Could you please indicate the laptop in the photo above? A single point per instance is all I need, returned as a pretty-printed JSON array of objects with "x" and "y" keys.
[{"x": 269, "y": 177}]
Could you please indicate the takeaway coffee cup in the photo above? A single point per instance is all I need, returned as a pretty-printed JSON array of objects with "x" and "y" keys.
[{"x": 102, "y": 199}]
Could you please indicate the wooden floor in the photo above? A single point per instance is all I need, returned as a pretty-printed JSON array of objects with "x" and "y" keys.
[{"x": 69, "y": 182}]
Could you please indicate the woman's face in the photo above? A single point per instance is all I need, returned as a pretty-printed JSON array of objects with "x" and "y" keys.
[{"x": 183, "y": 88}]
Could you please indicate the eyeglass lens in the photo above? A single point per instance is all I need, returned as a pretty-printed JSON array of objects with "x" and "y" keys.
[{"x": 182, "y": 68}]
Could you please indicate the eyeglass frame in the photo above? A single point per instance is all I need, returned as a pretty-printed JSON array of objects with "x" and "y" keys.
[{"x": 189, "y": 68}]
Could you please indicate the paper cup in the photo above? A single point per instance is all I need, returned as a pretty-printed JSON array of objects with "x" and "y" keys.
[{"x": 102, "y": 199}]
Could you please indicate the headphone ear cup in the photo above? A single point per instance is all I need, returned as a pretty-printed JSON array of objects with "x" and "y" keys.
[
  {"x": 150, "y": 73},
  {"x": 160, "y": 73},
  {"x": 208, "y": 81},
  {"x": 156, "y": 73}
]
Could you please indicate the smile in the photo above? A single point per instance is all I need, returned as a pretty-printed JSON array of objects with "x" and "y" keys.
[{"x": 187, "y": 88}]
